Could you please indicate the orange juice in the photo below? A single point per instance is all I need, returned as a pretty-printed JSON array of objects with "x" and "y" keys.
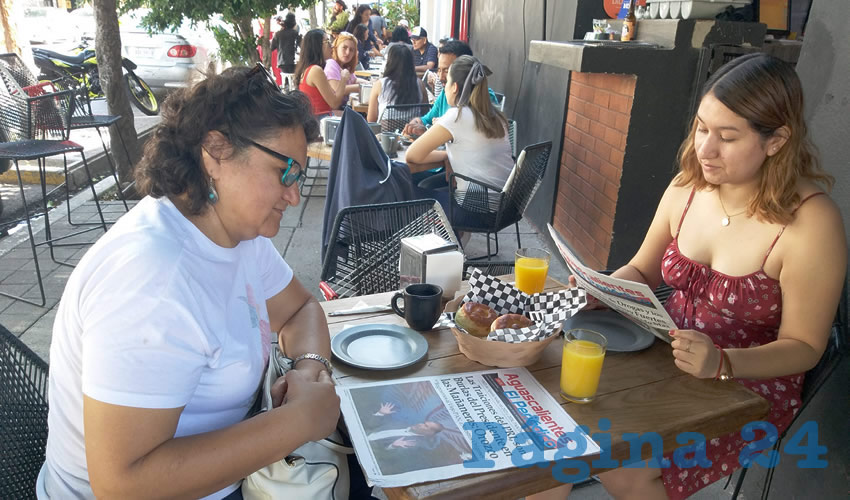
[
  {"x": 581, "y": 366},
  {"x": 531, "y": 274}
]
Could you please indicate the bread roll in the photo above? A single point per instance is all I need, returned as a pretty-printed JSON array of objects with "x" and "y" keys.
[
  {"x": 515, "y": 321},
  {"x": 475, "y": 318}
]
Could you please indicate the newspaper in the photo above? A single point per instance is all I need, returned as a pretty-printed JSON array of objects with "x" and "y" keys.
[
  {"x": 430, "y": 428},
  {"x": 633, "y": 300}
]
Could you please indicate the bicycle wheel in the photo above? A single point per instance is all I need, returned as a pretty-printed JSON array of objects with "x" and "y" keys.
[{"x": 140, "y": 94}]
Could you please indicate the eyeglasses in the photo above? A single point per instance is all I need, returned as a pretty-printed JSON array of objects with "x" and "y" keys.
[
  {"x": 260, "y": 69},
  {"x": 287, "y": 177}
]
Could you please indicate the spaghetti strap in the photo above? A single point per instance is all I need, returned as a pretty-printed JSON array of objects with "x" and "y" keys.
[
  {"x": 687, "y": 206},
  {"x": 807, "y": 198}
]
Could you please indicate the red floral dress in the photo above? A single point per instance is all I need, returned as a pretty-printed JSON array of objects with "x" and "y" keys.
[{"x": 736, "y": 312}]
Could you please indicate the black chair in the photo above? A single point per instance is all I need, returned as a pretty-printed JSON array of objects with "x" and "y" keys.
[
  {"x": 82, "y": 116},
  {"x": 512, "y": 137},
  {"x": 482, "y": 208},
  {"x": 500, "y": 101},
  {"x": 36, "y": 128},
  {"x": 836, "y": 349},
  {"x": 396, "y": 116},
  {"x": 365, "y": 245},
  {"x": 23, "y": 416}
]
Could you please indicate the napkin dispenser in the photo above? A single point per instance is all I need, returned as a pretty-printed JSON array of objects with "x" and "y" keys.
[
  {"x": 329, "y": 127},
  {"x": 365, "y": 91},
  {"x": 431, "y": 259}
]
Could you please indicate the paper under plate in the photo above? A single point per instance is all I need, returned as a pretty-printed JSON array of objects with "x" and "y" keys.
[
  {"x": 379, "y": 347},
  {"x": 622, "y": 335}
]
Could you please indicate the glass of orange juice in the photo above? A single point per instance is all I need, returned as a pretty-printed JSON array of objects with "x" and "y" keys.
[
  {"x": 530, "y": 268},
  {"x": 581, "y": 364}
]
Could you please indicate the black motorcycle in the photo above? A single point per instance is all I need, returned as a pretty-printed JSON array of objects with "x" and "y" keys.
[{"x": 80, "y": 71}]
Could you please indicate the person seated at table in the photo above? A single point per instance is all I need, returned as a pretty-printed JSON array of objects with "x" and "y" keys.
[
  {"x": 473, "y": 130},
  {"x": 164, "y": 330},
  {"x": 362, "y": 17},
  {"x": 344, "y": 56},
  {"x": 424, "y": 52},
  {"x": 365, "y": 51},
  {"x": 401, "y": 35},
  {"x": 448, "y": 53},
  {"x": 399, "y": 84},
  {"x": 310, "y": 76},
  {"x": 755, "y": 252}
]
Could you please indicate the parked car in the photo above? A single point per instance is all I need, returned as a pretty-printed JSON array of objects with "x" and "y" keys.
[
  {"x": 168, "y": 60},
  {"x": 43, "y": 25}
]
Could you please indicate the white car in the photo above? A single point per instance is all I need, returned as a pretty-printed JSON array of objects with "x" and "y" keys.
[
  {"x": 45, "y": 25},
  {"x": 167, "y": 60}
]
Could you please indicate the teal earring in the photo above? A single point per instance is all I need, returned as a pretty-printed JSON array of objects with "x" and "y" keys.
[{"x": 213, "y": 195}]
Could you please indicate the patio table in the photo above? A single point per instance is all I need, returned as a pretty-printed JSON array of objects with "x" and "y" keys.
[{"x": 639, "y": 392}]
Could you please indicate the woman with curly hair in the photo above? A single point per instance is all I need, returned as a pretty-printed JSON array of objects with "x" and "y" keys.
[{"x": 164, "y": 330}]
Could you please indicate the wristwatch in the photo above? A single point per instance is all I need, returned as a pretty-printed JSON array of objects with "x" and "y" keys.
[{"x": 315, "y": 357}]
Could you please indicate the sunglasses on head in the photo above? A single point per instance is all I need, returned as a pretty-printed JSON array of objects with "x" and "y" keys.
[
  {"x": 287, "y": 176},
  {"x": 259, "y": 69}
]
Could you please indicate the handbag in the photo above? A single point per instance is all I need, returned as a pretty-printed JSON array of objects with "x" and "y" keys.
[{"x": 316, "y": 470}]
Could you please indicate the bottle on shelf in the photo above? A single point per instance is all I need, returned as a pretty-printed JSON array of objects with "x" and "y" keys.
[{"x": 629, "y": 23}]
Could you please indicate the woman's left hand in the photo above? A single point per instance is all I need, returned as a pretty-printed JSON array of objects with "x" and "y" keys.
[{"x": 694, "y": 353}]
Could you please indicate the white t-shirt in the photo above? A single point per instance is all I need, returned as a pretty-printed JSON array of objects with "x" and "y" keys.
[
  {"x": 158, "y": 316},
  {"x": 474, "y": 155}
]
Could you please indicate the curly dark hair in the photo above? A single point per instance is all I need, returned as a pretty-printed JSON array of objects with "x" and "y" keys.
[{"x": 239, "y": 99}]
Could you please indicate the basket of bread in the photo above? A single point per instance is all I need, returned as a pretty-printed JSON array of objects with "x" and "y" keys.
[{"x": 498, "y": 325}]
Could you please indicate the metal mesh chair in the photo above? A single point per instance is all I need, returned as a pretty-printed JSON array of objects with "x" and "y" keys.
[
  {"x": 837, "y": 347},
  {"x": 483, "y": 208},
  {"x": 512, "y": 136},
  {"x": 500, "y": 101},
  {"x": 23, "y": 416},
  {"x": 491, "y": 268},
  {"x": 363, "y": 255},
  {"x": 82, "y": 116},
  {"x": 396, "y": 116},
  {"x": 35, "y": 128}
]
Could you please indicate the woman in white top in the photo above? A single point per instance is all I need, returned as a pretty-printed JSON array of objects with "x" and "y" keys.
[
  {"x": 400, "y": 85},
  {"x": 164, "y": 329},
  {"x": 479, "y": 147}
]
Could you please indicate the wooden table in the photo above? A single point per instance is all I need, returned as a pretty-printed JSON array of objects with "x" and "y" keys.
[{"x": 639, "y": 392}]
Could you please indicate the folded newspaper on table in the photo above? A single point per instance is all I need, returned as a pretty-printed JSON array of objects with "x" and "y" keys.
[
  {"x": 430, "y": 428},
  {"x": 633, "y": 300},
  {"x": 548, "y": 310}
]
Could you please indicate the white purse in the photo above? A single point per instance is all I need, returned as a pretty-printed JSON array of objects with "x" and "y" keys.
[{"x": 316, "y": 470}]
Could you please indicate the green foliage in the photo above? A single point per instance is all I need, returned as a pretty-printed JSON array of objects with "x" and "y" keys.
[
  {"x": 395, "y": 10},
  {"x": 229, "y": 20}
]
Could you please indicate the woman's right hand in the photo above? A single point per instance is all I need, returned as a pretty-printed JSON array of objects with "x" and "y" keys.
[
  {"x": 318, "y": 402},
  {"x": 344, "y": 75},
  {"x": 592, "y": 302}
]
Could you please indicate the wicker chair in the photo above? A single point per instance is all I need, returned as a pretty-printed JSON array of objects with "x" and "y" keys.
[
  {"x": 483, "y": 208},
  {"x": 82, "y": 116},
  {"x": 365, "y": 245},
  {"x": 35, "y": 128},
  {"x": 396, "y": 116},
  {"x": 23, "y": 416}
]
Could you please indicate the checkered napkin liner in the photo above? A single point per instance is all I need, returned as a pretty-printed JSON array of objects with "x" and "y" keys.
[{"x": 548, "y": 310}]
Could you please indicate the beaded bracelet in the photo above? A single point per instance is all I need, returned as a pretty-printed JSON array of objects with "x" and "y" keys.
[{"x": 719, "y": 366}]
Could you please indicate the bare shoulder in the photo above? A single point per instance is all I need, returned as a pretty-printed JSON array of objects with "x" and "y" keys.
[
  {"x": 674, "y": 199},
  {"x": 817, "y": 228}
]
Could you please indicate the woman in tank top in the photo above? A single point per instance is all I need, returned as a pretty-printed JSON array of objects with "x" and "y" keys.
[
  {"x": 755, "y": 252},
  {"x": 315, "y": 50}
]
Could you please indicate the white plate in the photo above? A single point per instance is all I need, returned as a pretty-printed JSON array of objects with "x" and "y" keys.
[
  {"x": 379, "y": 347},
  {"x": 622, "y": 335}
]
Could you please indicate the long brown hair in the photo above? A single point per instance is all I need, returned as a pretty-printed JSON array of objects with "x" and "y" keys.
[
  {"x": 488, "y": 120},
  {"x": 312, "y": 52},
  {"x": 345, "y": 37},
  {"x": 767, "y": 93}
]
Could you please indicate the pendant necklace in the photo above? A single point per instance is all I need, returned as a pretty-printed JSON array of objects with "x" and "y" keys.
[{"x": 728, "y": 218}]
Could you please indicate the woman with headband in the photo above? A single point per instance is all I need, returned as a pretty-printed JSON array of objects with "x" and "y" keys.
[{"x": 473, "y": 130}]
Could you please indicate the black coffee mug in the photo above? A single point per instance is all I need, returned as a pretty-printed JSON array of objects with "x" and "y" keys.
[{"x": 422, "y": 305}]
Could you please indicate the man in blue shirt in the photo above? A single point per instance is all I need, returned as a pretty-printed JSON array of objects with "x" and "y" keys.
[
  {"x": 448, "y": 53},
  {"x": 424, "y": 52}
]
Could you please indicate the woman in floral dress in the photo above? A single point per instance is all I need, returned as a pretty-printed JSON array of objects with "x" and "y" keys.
[{"x": 755, "y": 251}]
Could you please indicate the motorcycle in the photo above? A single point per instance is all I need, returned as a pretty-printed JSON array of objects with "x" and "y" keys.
[{"x": 79, "y": 71}]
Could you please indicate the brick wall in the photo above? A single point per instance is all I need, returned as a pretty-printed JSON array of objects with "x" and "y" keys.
[{"x": 598, "y": 112}]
